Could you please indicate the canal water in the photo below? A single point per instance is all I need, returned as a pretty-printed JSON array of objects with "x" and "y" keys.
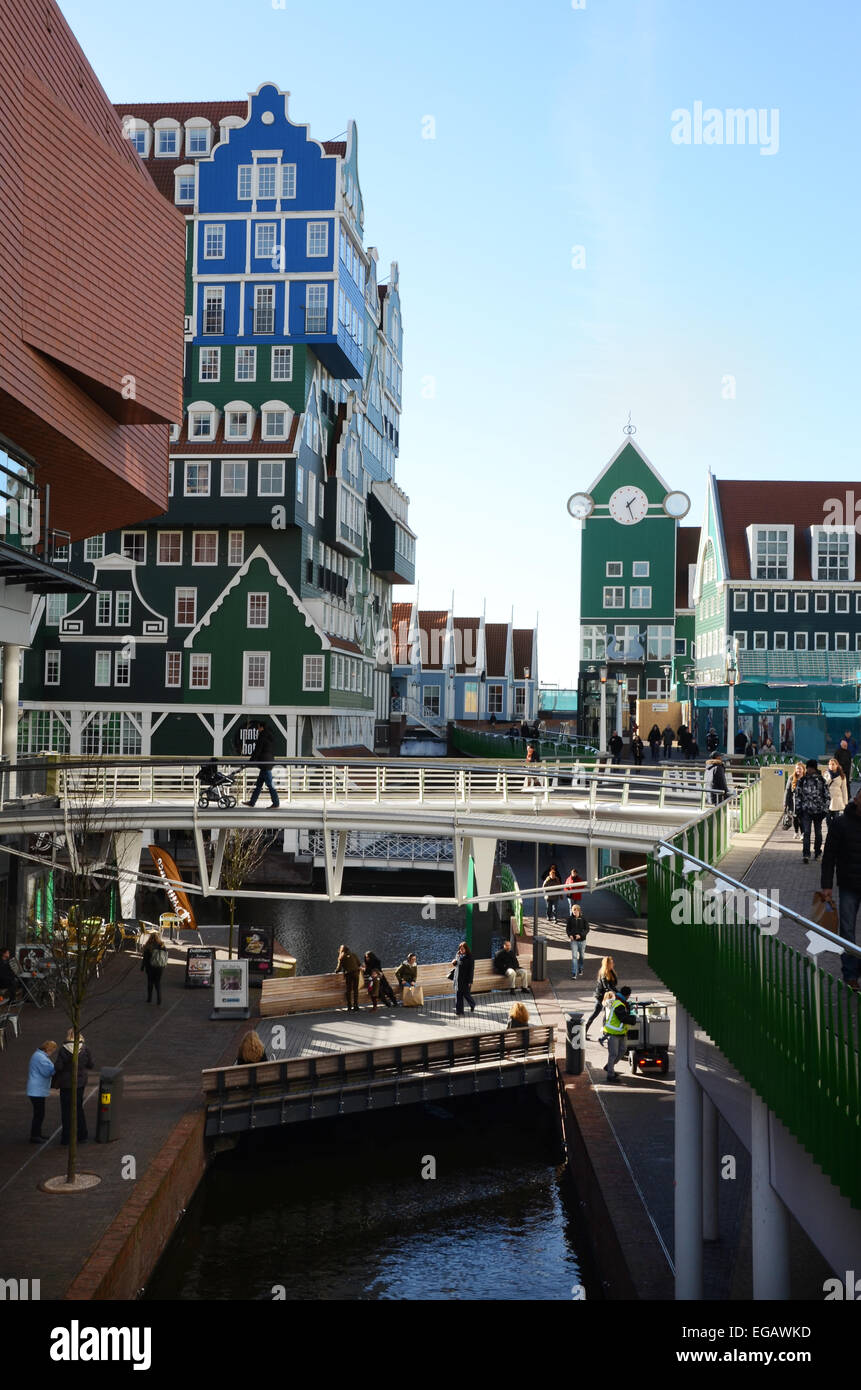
[{"x": 340, "y": 1210}]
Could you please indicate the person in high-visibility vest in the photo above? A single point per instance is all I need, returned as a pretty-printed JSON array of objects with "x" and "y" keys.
[{"x": 617, "y": 1016}]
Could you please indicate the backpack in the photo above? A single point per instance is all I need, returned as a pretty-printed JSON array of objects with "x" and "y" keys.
[{"x": 158, "y": 958}]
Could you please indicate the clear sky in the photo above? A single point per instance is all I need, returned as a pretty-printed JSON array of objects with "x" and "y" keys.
[{"x": 553, "y": 130}]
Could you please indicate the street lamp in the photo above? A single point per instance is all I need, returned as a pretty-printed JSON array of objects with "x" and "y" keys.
[
  {"x": 732, "y": 674},
  {"x": 602, "y": 731},
  {"x": 621, "y": 693}
]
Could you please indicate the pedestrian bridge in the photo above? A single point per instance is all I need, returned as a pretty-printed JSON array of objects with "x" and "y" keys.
[{"x": 475, "y": 805}]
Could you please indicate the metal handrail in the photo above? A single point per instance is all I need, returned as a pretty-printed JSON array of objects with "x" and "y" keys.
[{"x": 805, "y": 922}]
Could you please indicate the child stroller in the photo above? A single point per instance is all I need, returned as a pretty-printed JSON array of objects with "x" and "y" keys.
[{"x": 212, "y": 787}]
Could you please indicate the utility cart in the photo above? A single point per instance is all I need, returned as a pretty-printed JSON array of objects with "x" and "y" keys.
[{"x": 649, "y": 1037}]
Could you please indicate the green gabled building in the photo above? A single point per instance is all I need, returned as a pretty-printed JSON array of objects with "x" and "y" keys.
[
  {"x": 636, "y": 605},
  {"x": 267, "y": 585}
]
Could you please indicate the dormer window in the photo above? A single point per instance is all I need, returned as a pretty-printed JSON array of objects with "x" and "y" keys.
[
  {"x": 832, "y": 554},
  {"x": 238, "y": 420},
  {"x": 167, "y": 134},
  {"x": 276, "y": 417},
  {"x": 770, "y": 552},
  {"x": 197, "y": 135},
  {"x": 139, "y": 135},
  {"x": 201, "y": 421},
  {"x": 184, "y": 188}
]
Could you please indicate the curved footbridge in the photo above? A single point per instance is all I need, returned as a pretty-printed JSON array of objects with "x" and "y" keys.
[{"x": 474, "y": 806}]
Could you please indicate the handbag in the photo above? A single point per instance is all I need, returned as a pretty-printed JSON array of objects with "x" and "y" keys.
[
  {"x": 414, "y": 996},
  {"x": 787, "y": 819},
  {"x": 823, "y": 912}
]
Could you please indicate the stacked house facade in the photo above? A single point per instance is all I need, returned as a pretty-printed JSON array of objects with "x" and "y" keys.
[
  {"x": 636, "y": 592},
  {"x": 266, "y": 585},
  {"x": 778, "y": 612},
  {"x": 465, "y": 669}
]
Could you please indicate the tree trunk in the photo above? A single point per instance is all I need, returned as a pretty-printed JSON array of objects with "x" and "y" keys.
[
  {"x": 231, "y": 902},
  {"x": 73, "y": 1114}
]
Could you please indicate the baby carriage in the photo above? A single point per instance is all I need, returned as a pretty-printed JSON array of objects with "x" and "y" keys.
[{"x": 212, "y": 787}]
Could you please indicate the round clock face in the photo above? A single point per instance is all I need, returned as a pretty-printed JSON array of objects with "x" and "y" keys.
[
  {"x": 580, "y": 505},
  {"x": 628, "y": 505},
  {"x": 677, "y": 504}
]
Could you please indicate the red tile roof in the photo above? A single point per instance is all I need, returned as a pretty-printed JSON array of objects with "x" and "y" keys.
[
  {"x": 350, "y": 750},
  {"x": 495, "y": 644},
  {"x": 432, "y": 626},
  {"x": 401, "y": 628},
  {"x": 687, "y": 545},
  {"x": 522, "y": 644},
  {"x": 182, "y": 111},
  {"x": 802, "y": 505},
  {"x": 254, "y": 445},
  {"x": 465, "y": 643},
  {"x": 343, "y": 645}
]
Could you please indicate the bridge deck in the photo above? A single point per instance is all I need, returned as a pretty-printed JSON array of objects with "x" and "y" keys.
[{"x": 315, "y": 1034}]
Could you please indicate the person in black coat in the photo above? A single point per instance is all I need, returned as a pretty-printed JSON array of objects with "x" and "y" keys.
[
  {"x": 655, "y": 742},
  {"x": 462, "y": 973},
  {"x": 843, "y": 855},
  {"x": 844, "y": 758},
  {"x": 63, "y": 1080},
  {"x": 9, "y": 982},
  {"x": 385, "y": 991},
  {"x": 262, "y": 758},
  {"x": 616, "y": 745},
  {"x": 577, "y": 930}
]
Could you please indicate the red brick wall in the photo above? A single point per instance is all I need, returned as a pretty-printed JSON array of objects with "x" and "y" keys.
[{"x": 91, "y": 284}]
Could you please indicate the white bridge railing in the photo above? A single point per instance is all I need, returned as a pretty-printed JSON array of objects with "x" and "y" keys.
[{"x": 410, "y": 782}]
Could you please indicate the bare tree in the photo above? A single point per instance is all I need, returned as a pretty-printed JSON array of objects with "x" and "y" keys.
[{"x": 244, "y": 851}]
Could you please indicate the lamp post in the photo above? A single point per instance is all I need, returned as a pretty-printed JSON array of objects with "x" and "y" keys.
[
  {"x": 602, "y": 730},
  {"x": 621, "y": 692},
  {"x": 731, "y": 679}
]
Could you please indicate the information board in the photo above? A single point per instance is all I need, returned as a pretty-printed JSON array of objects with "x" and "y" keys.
[
  {"x": 256, "y": 945},
  {"x": 198, "y": 967}
]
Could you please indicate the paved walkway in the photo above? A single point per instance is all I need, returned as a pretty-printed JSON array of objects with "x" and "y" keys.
[
  {"x": 640, "y": 1109},
  {"x": 162, "y": 1050}
]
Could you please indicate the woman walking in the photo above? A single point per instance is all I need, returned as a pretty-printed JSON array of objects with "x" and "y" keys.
[
  {"x": 655, "y": 742},
  {"x": 551, "y": 899},
  {"x": 462, "y": 972},
  {"x": 835, "y": 779},
  {"x": 63, "y": 1073},
  {"x": 789, "y": 800},
  {"x": 39, "y": 1086},
  {"x": 154, "y": 960},
  {"x": 607, "y": 980}
]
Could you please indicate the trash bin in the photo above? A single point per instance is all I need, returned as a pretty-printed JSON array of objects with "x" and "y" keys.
[
  {"x": 110, "y": 1105},
  {"x": 574, "y": 1051},
  {"x": 539, "y": 958}
]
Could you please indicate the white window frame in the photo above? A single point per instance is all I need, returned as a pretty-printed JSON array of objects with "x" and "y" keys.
[
  {"x": 760, "y": 640},
  {"x": 182, "y": 194},
  {"x": 739, "y": 601},
  {"x": 104, "y": 605},
  {"x": 138, "y": 535},
  {"x": 267, "y": 418},
  {"x": 614, "y": 569},
  {"x": 94, "y": 548},
  {"x": 271, "y": 231},
  {"x": 841, "y": 603},
  {"x": 781, "y": 603},
  {"x": 641, "y": 596},
  {"x": 168, "y": 658},
  {"x": 231, "y": 541},
  {"x": 826, "y": 578},
  {"x": 801, "y": 643},
  {"x": 122, "y": 669},
  {"x": 124, "y": 595},
  {"x": 760, "y": 601},
  {"x": 753, "y": 533},
  {"x": 287, "y": 357},
  {"x": 238, "y": 423},
  {"x": 313, "y": 673},
  {"x": 245, "y": 175},
  {"x": 194, "y": 539},
  {"x": 160, "y": 152},
  {"x": 257, "y": 626},
  {"x": 740, "y": 636},
  {"x": 612, "y": 593},
  {"x": 820, "y": 641},
  {"x": 288, "y": 181},
  {"x": 181, "y": 593},
  {"x": 318, "y": 288},
  {"x": 640, "y": 569},
  {"x": 841, "y": 637},
  {"x": 820, "y": 603},
  {"x": 300, "y": 484},
  {"x": 158, "y": 559},
  {"x": 56, "y": 606},
  {"x": 216, "y": 230},
  {"x": 196, "y": 463},
  {"x": 205, "y": 131},
  {"x": 211, "y": 356},
  {"x": 264, "y": 294},
  {"x": 195, "y": 426},
  {"x": 200, "y": 661},
  {"x": 270, "y": 463},
  {"x": 102, "y": 659},
  {"x": 313, "y": 232},
  {"x": 249, "y": 356},
  {"x": 213, "y": 298},
  {"x": 52, "y": 667},
  {"x": 259, "y": 171},
  {"x": 237, "y": 465},
  {"x": 495, "y": 705},
  {"x": 801, "y": 603}
]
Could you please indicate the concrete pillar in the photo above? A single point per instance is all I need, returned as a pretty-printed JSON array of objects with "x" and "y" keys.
[
  {"x": 689, "y": 1165},
  {"x": 127, "y": 846},
  {"x": 11, "y": 683},
  {"x": 711, "y": 1164},
  {"x": 769, "y": 1217}
]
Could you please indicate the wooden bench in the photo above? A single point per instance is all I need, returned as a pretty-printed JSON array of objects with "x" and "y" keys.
[{"x": 313, "y": 993}]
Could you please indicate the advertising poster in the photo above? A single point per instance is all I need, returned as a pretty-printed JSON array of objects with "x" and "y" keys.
[
  {"x": 198, "y": 967},
  {"x": 231, "y": 985},
  {"x": 256, "y": 945}
]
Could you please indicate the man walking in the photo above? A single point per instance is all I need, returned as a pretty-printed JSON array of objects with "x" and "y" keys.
[
  {"x": 844, "y": 758},
  {"x": 667, "y": 739},
  {"x": 843, "y": 854},
  {"x": 577, "y": 930},
  {"x": 812, "y": 801},
  {"x": 262, "y": 758}
]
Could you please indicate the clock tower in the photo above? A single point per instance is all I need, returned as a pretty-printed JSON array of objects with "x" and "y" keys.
[{"x": 635, "y": 599}]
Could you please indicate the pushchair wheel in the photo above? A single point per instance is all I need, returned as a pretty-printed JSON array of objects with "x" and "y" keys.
[
  {"x": 229, "y": 801},
  {"x": 203, "y": 799}
]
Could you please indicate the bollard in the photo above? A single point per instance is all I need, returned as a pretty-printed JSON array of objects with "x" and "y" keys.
[
  {"x": 539, "y": 958},
  {"x": 110, "y": 1105},
  {"x": 574, "y": 1050}
]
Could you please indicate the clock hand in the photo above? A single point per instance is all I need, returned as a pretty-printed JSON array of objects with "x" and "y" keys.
[{"x": 629, "y": 503}]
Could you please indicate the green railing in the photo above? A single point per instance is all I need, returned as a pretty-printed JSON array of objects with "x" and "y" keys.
[
  {"x": 508, "y": 884},
  {"x": 789, "y": 1028},
  {"x": 749, "y": 805},
  {"x": 628, "y": 890},
  {"x": 707, "y": 838},
  {"x": 483, "y": 745}
]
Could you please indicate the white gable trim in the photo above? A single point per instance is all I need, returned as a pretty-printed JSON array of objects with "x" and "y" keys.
[
  {"x": 647, "y": 462},
  {"x": 257, "y": 554}
]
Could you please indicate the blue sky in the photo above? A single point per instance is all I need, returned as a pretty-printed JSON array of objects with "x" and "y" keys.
[{"x": 553, "y": 131}]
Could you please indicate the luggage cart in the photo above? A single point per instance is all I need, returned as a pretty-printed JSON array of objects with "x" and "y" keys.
[{"x": 649, "y": 1037}]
